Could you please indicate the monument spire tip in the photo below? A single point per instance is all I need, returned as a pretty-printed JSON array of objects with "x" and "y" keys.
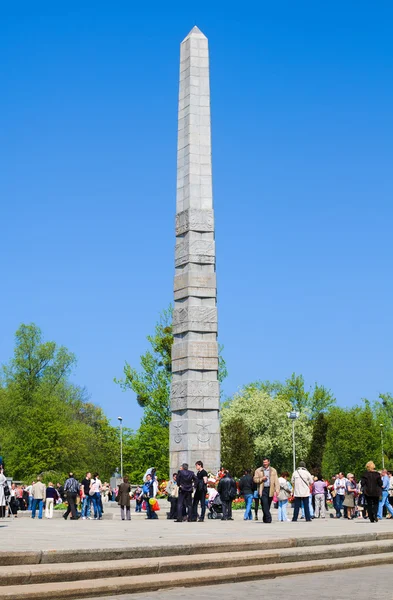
[{"x": 195, "y": 31}]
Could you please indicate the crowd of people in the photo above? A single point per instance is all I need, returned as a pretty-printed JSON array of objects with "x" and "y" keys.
[
  {"x": 370, "y": 498},
  {"x": 193, "y": 493},
  {"x": 88, "y": 496}
]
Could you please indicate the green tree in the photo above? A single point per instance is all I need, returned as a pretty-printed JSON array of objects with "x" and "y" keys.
[
  {"x": 310, "y": 402},
  {"x": 352, "y": 439},
  {"x": 270, "y": 429},
  {"x": 152, "y": 383},
  {"x": 47, "y": 425},
  {"x": 237, "y": 449},
  {"x": 149, "y": 445},
  {"x": 318, "y": 443}
]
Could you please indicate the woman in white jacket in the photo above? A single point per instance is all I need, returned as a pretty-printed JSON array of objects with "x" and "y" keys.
[{"x": 301, "y": 481}]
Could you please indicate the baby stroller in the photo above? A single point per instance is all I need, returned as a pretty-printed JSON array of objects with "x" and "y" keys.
[{"x": 215, "y": 508}]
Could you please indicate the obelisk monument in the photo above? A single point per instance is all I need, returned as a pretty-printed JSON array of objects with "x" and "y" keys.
[{"x": 195, "y": 396}]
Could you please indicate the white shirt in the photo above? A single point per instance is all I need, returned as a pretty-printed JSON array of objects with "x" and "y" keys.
[
  {"x": 340, "y": 485},
  {"x": 96, "y": 485}
]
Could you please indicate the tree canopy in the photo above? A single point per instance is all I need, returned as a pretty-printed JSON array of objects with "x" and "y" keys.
[{"x": 48, "y": 425}]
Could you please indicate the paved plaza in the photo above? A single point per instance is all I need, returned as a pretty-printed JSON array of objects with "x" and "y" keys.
[
  {"x": 56, "y": 534},
  {"x": 369, "y": 583}
]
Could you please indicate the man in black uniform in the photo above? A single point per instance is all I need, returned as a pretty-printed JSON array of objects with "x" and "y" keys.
[
  {"x": 186, "y": 481},
  {"x": 200, "y": 492}
]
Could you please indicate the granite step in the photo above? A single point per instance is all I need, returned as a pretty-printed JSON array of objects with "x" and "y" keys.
[
  {"x": 44, "y": 557},
  {"x": 152, "y": 582},
  {"x": 64, "y": 572}
]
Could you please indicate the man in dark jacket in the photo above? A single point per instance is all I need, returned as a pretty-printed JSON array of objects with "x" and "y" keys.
[
  {"x": 246, "y": 486},
  {"x": 227, "y": 490},
  {"x": 186, "y": 482},
  {"x": 71, "y": 488}
]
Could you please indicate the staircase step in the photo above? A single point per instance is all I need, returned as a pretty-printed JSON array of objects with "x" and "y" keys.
[
  {"x": 152, "y": 582},
  {"x": 30, "y": 557},
  {"x": 35, "y": 574}
]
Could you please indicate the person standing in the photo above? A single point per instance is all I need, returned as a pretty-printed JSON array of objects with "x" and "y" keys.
[
  {"x": 384, "y": 502},
  {"x": 95, "y": 493},
  {"x": 350, "y": 495},
  {"x": 51, "y": 495},
  {"x": 71, "y": 489},
  {"x": 138, "y": 495},
  {"x": 186, "y": 481},
  {"x": 301, "y": 481},
  {"x": 30, "y": 492},
  {"x": 228, "y": 492},
  {"x": 200, "y": 493},
  {"x": 371, "y": 483},
  {"x": 173, "y": 494},
  {"x": 390, "y": 475},
  {"x": 123, "y": 499},
  {"x": 39, "y": 496},
  {"x": 283, "y": 496},
  {"x": 267, "y": 479},
  {"x": 246, "y": 485},
  {"x": 150, "y": 488},
  {"x": 86, "y": 498},
  {"x": 319, "y": 493},
  {"x": 340, "y": 487},
  {"x": 3, "y": 483}
]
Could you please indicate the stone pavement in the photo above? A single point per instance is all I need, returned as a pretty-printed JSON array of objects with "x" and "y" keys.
[
  {"x": 369, "y": 583},
  {"x": 28, "y": 534}
]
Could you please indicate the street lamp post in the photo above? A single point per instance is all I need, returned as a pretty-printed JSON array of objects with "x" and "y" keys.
[
  {"x": 383, "y": 457},
  {"x": 120, "y": 419},
  {"x": 292, "y": 416}
]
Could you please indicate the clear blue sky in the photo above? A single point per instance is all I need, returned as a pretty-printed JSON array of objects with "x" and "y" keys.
[{"x": 302, "y": 122}]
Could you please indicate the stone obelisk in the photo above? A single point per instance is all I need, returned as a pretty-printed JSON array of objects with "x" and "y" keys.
[{"x": 195, "y": 396}]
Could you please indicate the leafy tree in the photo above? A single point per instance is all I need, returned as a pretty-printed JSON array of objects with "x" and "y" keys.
[
  {"x": 270, "y": 429},
  {"x": 310, "y": 402},
  {"x": 149, "y": 446},
  {"x": 237, "y": 449},
  {"x": 352, "y": 439},
  {"x": 47, "y": 424},
  {"x": 318, "y": 442},
  {"x": 152, "y": 384}
]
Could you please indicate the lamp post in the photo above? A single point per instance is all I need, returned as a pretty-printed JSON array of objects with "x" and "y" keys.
[
  {"x": 120, "y": 419},
  {"x": 383, "y": 457},
  {"x": 292, "y": 416}
]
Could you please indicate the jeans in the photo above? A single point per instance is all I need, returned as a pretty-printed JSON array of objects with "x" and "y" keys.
[
  {"x": 150, "y": 513},
  {"x": 310, "y": 508},
  {"x": 30, "y": 505},
  {"x": 339, "y": 504},
  {"x": 320, "y": 505},
  {"x": 306, "y": 504},
  {"x": 384, "y": 502},
  {"x": 266, "y": 501},
  {"x": 49, "y": 508},
  {"x": 138, "y": 506},
  {"x": 86, "y": 506},
  {"x": 40, "y": 504},
  {"x": 248, "y": 501},
  {"x": 97, "y": 505},
  {"x": 282, "y": 510}
]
